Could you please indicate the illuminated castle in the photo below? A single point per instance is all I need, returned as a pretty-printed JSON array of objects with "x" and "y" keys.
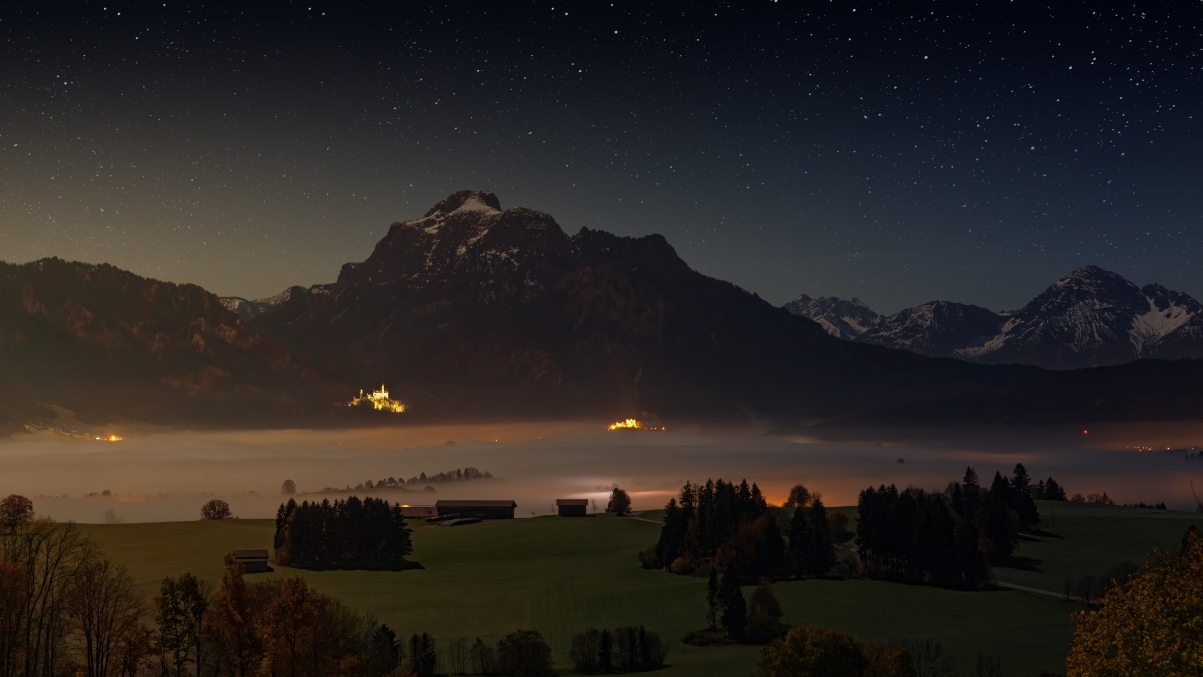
[{"x": 379, "y": 400}]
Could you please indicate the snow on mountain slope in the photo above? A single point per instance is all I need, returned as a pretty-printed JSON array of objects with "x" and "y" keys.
[
  {"x": 844, "y": 319},
  {"x": 1091, "y": 317},
  {"x": 936, "y": 329}
]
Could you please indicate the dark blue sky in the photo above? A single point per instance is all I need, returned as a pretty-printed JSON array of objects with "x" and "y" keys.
[{"x": 972, "y": 152}]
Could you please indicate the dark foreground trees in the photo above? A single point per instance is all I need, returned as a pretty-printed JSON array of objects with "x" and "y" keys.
[
  {"x": 629, "y": 649},
  {"x": 619, "y": 503},
  {"x": 350, "y": 534},
  {"x": 948, "y": 539},
  {"x": 724, "y": 524}
]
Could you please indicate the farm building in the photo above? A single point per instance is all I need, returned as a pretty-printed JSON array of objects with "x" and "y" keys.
[
  {"x": 485, "y": 510},
  {"x": 572, "y": 507},
  {"x": 253, "y": 561},
  {"x": 419, "y": 511}
]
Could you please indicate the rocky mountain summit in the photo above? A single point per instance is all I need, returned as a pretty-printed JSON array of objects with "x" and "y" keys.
[
  {"x": 1091, "y": 317},
  {"x": 842, "y": 319}
]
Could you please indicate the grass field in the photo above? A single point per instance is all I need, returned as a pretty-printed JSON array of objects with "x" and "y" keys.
[
  {"x": 561, "y": 575},
  {"x": 1084, "y": 539}
]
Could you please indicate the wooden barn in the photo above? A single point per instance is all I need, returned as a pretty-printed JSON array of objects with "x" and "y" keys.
[
  {"x": 253, "y": 561},
  {"x": 419, "y": 511},
  {"x": 572, "y": 507},
  {"x": 485, "y": 510}
]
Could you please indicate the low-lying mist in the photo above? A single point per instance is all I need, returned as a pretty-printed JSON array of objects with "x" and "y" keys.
[{"x": 168, "y": 476}]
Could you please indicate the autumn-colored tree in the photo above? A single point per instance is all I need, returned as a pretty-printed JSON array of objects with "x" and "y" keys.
[
  {"x": 813, "y": 651},
  {"x": 1151, "y": 625},
  {"x": 228, "y": 624}
]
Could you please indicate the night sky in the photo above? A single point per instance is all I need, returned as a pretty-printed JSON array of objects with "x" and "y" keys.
[{"x": 898, "y": 153}]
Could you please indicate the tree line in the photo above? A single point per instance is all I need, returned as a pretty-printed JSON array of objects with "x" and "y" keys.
[
  {"x": 628, "y": 649},
  {"x": 948, "y": 539},
  {"x": 343, "y": 534},
  {"x": 730, "y": 527}
]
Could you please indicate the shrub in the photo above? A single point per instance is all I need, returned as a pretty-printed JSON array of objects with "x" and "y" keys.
[
  {"x": 647, "y": 558},
  {"x": 891, "y": 661},
  {"x": 524, "y": 653},
  {"x": 764, "y": 616},
  {"x": 813, "y": 651},
  {"x": 216, "y": 509},
  {"x": 637, "y": 650}
]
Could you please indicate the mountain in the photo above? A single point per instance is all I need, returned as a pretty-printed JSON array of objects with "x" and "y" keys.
[
  {"x": 842, "y": 319},
  {"x": 1091, "y": 317},
  {"x": 476, "y": 309},
  {"x": 111, "y": 345},
  {"x": 936, "y": 328}
]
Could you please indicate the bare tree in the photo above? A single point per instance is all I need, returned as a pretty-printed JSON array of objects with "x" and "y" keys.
[
  {"x": 930, "y": 658},
  {"x": 458, "y": 658},
  {"x": 41, "y": 558},
  {"x": 105, "y": 609}
]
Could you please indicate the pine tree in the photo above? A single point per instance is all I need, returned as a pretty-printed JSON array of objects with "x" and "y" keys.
[
  {"x": 735, "y": 608},
  {"x": 824, "y": 549},
  {"x": 801, "y": 543}
]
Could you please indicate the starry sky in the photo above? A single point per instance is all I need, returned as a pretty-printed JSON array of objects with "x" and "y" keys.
[{"x": 896, "y": 152}]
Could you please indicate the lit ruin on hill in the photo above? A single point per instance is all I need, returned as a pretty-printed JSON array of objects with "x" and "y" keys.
[
  {"x": 629, "y": 424},
  {"x": 379, "y": 400}
]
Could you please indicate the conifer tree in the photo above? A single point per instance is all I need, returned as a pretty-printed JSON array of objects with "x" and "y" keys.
[
  {"x": 712, "y": 599},
  {"x": 801, "y": 543},
  {"x": 820, "y": 529},
  {"x": 735, "y": 608}
]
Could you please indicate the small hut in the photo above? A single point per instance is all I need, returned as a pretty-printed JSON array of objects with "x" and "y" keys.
[
  {"x": 572, "y": 507},
  {"x": 253, "y": 561}
]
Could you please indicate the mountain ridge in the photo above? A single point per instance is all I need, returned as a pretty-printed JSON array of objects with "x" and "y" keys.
[{"x": 1090, "y": 317}]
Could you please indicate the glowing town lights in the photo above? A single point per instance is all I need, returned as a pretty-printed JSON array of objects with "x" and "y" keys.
[
  {"x": 379, "y": 400},
  {"x": 629, "y": 424},
  {"x": 110, "y": 438}
]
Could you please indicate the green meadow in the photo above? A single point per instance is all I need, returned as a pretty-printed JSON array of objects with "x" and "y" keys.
[{"x": 560, "y": 576}]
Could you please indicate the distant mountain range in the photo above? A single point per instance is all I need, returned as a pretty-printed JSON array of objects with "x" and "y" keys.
[
  {"x": 473, "y": 311},
  {"x": 1091, "y": 317}
]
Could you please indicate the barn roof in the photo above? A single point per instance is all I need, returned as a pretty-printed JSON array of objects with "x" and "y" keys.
[
  {"x": 572, "y": 501},
  {"x": 250, "y": 554},
  {"x": 475, "y": 504}
]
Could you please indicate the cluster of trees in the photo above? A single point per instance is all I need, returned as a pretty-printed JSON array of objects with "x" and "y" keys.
[
  {"x": 65, "y": 608},
  {"x": 628, "y": 649},
  {"x": 350, "y": 534},
  {"x": 274, "y": 627},
  {"x": 1048, "y": 490},
  {"x": 731, "y": 618},
  {"x": 522, "y": 653},
  {"x": 1147, "y": 625},
  {"x": 730, "y": 527},
  {"x": 1097, "y": 499},
  {"x": 947, "y": 539},
  {"x": 457, "y": 475}
]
